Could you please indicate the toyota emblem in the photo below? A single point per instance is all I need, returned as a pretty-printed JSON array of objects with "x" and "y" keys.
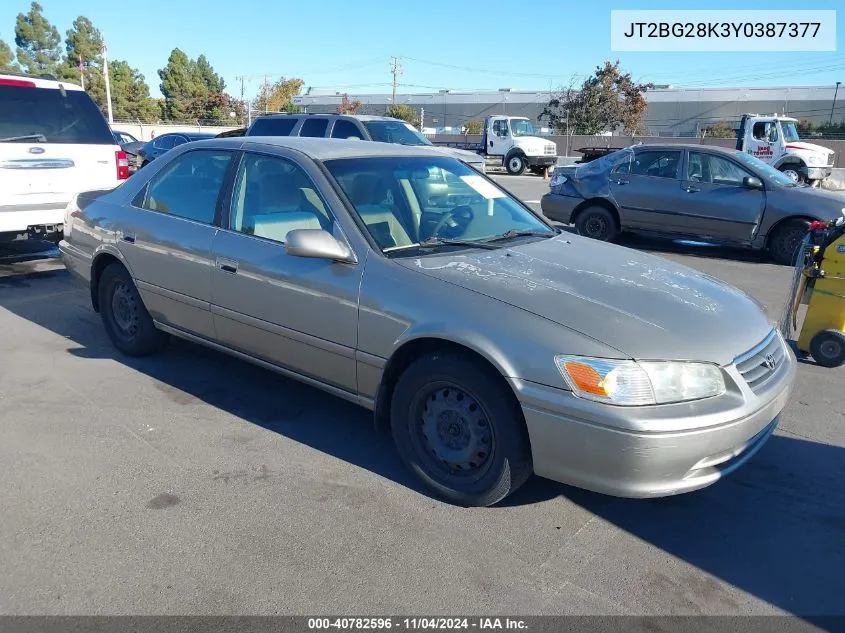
[{"x": 769, "y": 361}]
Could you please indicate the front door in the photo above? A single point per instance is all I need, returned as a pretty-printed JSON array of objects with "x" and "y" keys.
[
  {"x": 762, "y": 141},
  {"x": 499, "y": 137},
  {"x": 646, "y": 190},
  {"x": 299, "y": 313},
  {"x": 166, "y": 237},
  {"x": 717, "y": 203}
]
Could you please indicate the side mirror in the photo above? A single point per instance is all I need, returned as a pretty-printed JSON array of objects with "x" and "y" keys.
[
  {"x": 752, "y": 182},
  {"x": 317, "y": 244}
]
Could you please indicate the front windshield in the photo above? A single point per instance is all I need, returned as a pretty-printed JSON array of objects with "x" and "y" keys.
[
  {"x": 766, "y": 171},
  {"x": 404, "y": 201},
  {"x": 790, "y": 131},
  {"x": 395, "y": 132},
  {"x": 522, "y": 127}
]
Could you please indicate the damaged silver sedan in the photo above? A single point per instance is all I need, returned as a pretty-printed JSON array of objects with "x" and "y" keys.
[{"x": 491, "y": 344}]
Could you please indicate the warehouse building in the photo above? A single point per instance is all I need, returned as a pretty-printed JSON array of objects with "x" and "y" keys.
[{"x": 671, "y": 111}]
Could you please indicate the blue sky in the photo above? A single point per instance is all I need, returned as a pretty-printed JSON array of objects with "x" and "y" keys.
[{"x": 443, "y": 44}]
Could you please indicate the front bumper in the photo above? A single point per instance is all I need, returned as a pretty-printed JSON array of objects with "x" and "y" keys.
[
  {"x": 558, "y": 207},
  {"x": 541, "y": 161},
  {"x": 702, "y": 442},
  {"x": 819, "y": 173}
]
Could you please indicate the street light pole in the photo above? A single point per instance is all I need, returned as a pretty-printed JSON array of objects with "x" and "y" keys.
[{"x": 835, "y": 92}]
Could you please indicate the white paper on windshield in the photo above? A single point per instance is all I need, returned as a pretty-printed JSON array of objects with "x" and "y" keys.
[{"x": 483, "y": 187}]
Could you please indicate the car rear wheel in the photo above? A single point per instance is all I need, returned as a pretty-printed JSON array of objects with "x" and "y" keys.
[
  {"x": 128, "y": 324},
  {"x": 785, "y": 241},
  {"x": 515, "y": 164},
  {"x": 457, "y": 428},
  {"x": 828, "y": 348},
  {"x": 596, "y": 222}
]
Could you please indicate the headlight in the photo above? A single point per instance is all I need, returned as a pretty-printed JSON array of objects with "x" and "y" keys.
[{"x": 629, "y": 383}]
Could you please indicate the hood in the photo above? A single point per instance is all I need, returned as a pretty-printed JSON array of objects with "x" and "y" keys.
[
  {"x": 644, "y": 306},
  {"x": 460, "y": 154},
  {"x": 819, "y": 203},
  {"x": 803, "y": 146},
  {"x": 533, "y": 144}
]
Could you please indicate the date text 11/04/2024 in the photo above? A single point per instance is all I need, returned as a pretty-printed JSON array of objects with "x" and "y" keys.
[{"x": 414, "y": 624}]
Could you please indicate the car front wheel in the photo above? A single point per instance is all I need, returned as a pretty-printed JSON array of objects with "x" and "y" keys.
[
  {"x": 785, "y": 241},
  {"x": 515, "y": 165},
  {"x": 459, "y": 430},
  {"x": 596, "y": 222},
  {"x": 128, "y": 324}
]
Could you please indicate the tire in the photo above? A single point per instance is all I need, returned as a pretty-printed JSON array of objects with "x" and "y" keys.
[
  {"x": 131, "y": 329},
  {"x": 515, "y": 164},
  {"x": 458, "y": 400},
  {"x": 784, "y": 242},
  {"x": 597, "y": 223},
  {"x": 794, "y": 171},
  {"x": 828, "y": 348}
]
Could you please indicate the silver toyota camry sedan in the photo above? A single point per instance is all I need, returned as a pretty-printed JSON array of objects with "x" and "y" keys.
[{"x": 491, "y": 344}]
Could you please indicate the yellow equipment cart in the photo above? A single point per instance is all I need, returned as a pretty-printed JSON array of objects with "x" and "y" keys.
[{"x": 819, "y": 282}]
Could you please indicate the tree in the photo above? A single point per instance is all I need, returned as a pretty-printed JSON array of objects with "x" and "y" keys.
[
  {"x": 220, "y": 106},
  {"x": 7, "y": 59},
  {"x": 405, "y": 112},
  {"x": 205, "y": 73},
  {"x": 130, "y": 94},
  {"x": 37, "y": 42},
  {"x": 474, "y": 126},
  {"x": 278, "y": 97},
  {"x": 722, "y": 129},
  {"x": 805, "y": 127},
  {"x": 184, "y": 92},
  {"x": 83, "y": 44},
  {"x": 349, "y": 106},
  {"x": 607, "y": 100}
]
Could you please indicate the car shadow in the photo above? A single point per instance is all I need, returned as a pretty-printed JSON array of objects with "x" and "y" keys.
[{"x": 774, "y": 529}]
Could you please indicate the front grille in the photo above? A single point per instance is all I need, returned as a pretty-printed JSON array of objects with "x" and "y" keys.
[
  {"x": 759, "y": 364},
  {"x": 550, "y": 150}
]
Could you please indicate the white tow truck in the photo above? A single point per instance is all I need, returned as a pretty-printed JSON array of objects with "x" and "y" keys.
[
  {"x": 514, "y": 140},
  {"x": 774, "y": 139}
]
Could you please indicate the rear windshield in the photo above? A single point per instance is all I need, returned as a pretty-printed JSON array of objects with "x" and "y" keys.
[
  {"x": 272, "y": 126},
  {"x": 395, "y": 132},
  {"x": 45, "y": 115}
]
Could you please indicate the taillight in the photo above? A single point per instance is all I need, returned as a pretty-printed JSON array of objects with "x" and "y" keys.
[
  {"x": 22, "y": 83},
  {"x": 122, "y": 164}
]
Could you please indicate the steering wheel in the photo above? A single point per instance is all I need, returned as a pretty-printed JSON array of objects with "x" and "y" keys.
[{"x": 457, "y": 221}]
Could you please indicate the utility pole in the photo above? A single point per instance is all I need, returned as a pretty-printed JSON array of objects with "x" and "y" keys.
[
  {"x": 266, "y": 93},
  {"x": 830, "y": 122},
  {"x": 396, "y": 69},
  {"x": 422, "y": 119},
  {"x": 241, "y": 78},
  {"x": 104, "y": 50}
]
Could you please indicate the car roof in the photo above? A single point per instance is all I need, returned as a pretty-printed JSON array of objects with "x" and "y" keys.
[
  {"x": 325, "y": 148},
  {"x": 360, "y": 117},
  {"x": 681, "y": 146},
  {"x": 40, "y": 81}
]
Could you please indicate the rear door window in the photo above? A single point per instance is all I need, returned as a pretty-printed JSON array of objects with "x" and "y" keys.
[
  {"x": 50, "y": 115},
  {"x": 345, "y": 129},
  {"x": 165, "y": 142},
  {"x": 658, "y": 164},
  {"x": 273, "y": 126},
  {"x": 314, "y": 128}
]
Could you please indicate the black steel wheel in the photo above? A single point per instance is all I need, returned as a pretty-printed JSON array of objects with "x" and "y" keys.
[
  {"x": 786, "y": 240},
  {"x": 456, "y": 426},
  {"x": 597, "y": 223},
  {"x": 128, "y": 324}
]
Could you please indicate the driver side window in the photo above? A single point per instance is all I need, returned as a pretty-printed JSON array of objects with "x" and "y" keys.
[{"x": 500, "y": 127}]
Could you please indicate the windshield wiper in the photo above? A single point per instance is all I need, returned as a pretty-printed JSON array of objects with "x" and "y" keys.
[
  {"x": 29, "y": 137},
  {"x": 433, "y": 242},
  {"x": 507, "y": 235}
]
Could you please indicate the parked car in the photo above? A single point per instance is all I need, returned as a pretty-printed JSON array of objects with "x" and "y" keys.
[
  {"x": 241, "y": 131},
  {"x": 689, "y": 191},
  {"x": 123, "y": 138},
  {"x": 161, "y": 144},
  {"x": 491, "y": 343},
  {"x": 54, "y": 142},
  {"x": 363, "y": 127}
]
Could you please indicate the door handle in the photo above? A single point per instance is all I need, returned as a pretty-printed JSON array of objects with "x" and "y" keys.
[
  {"x": 622, "y": 182},
  {"x": 228, "y": 266},
  {"x": 692, "y": 189}
]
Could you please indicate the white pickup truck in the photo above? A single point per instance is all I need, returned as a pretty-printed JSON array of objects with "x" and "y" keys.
[
  {"x": 774, "y": 140},
  {"x": 514, "y": 140}
]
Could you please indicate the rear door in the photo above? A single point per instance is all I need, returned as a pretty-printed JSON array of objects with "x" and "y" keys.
[
  {"x": 314, "y": 127},
  {"x": 54, "y": 142},
  {"x": 717, "y": 205},
  {"x": 647, "y": 192}
]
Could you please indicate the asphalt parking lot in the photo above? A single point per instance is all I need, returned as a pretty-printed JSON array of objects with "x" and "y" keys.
[{"x": 192, "y": 483}]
